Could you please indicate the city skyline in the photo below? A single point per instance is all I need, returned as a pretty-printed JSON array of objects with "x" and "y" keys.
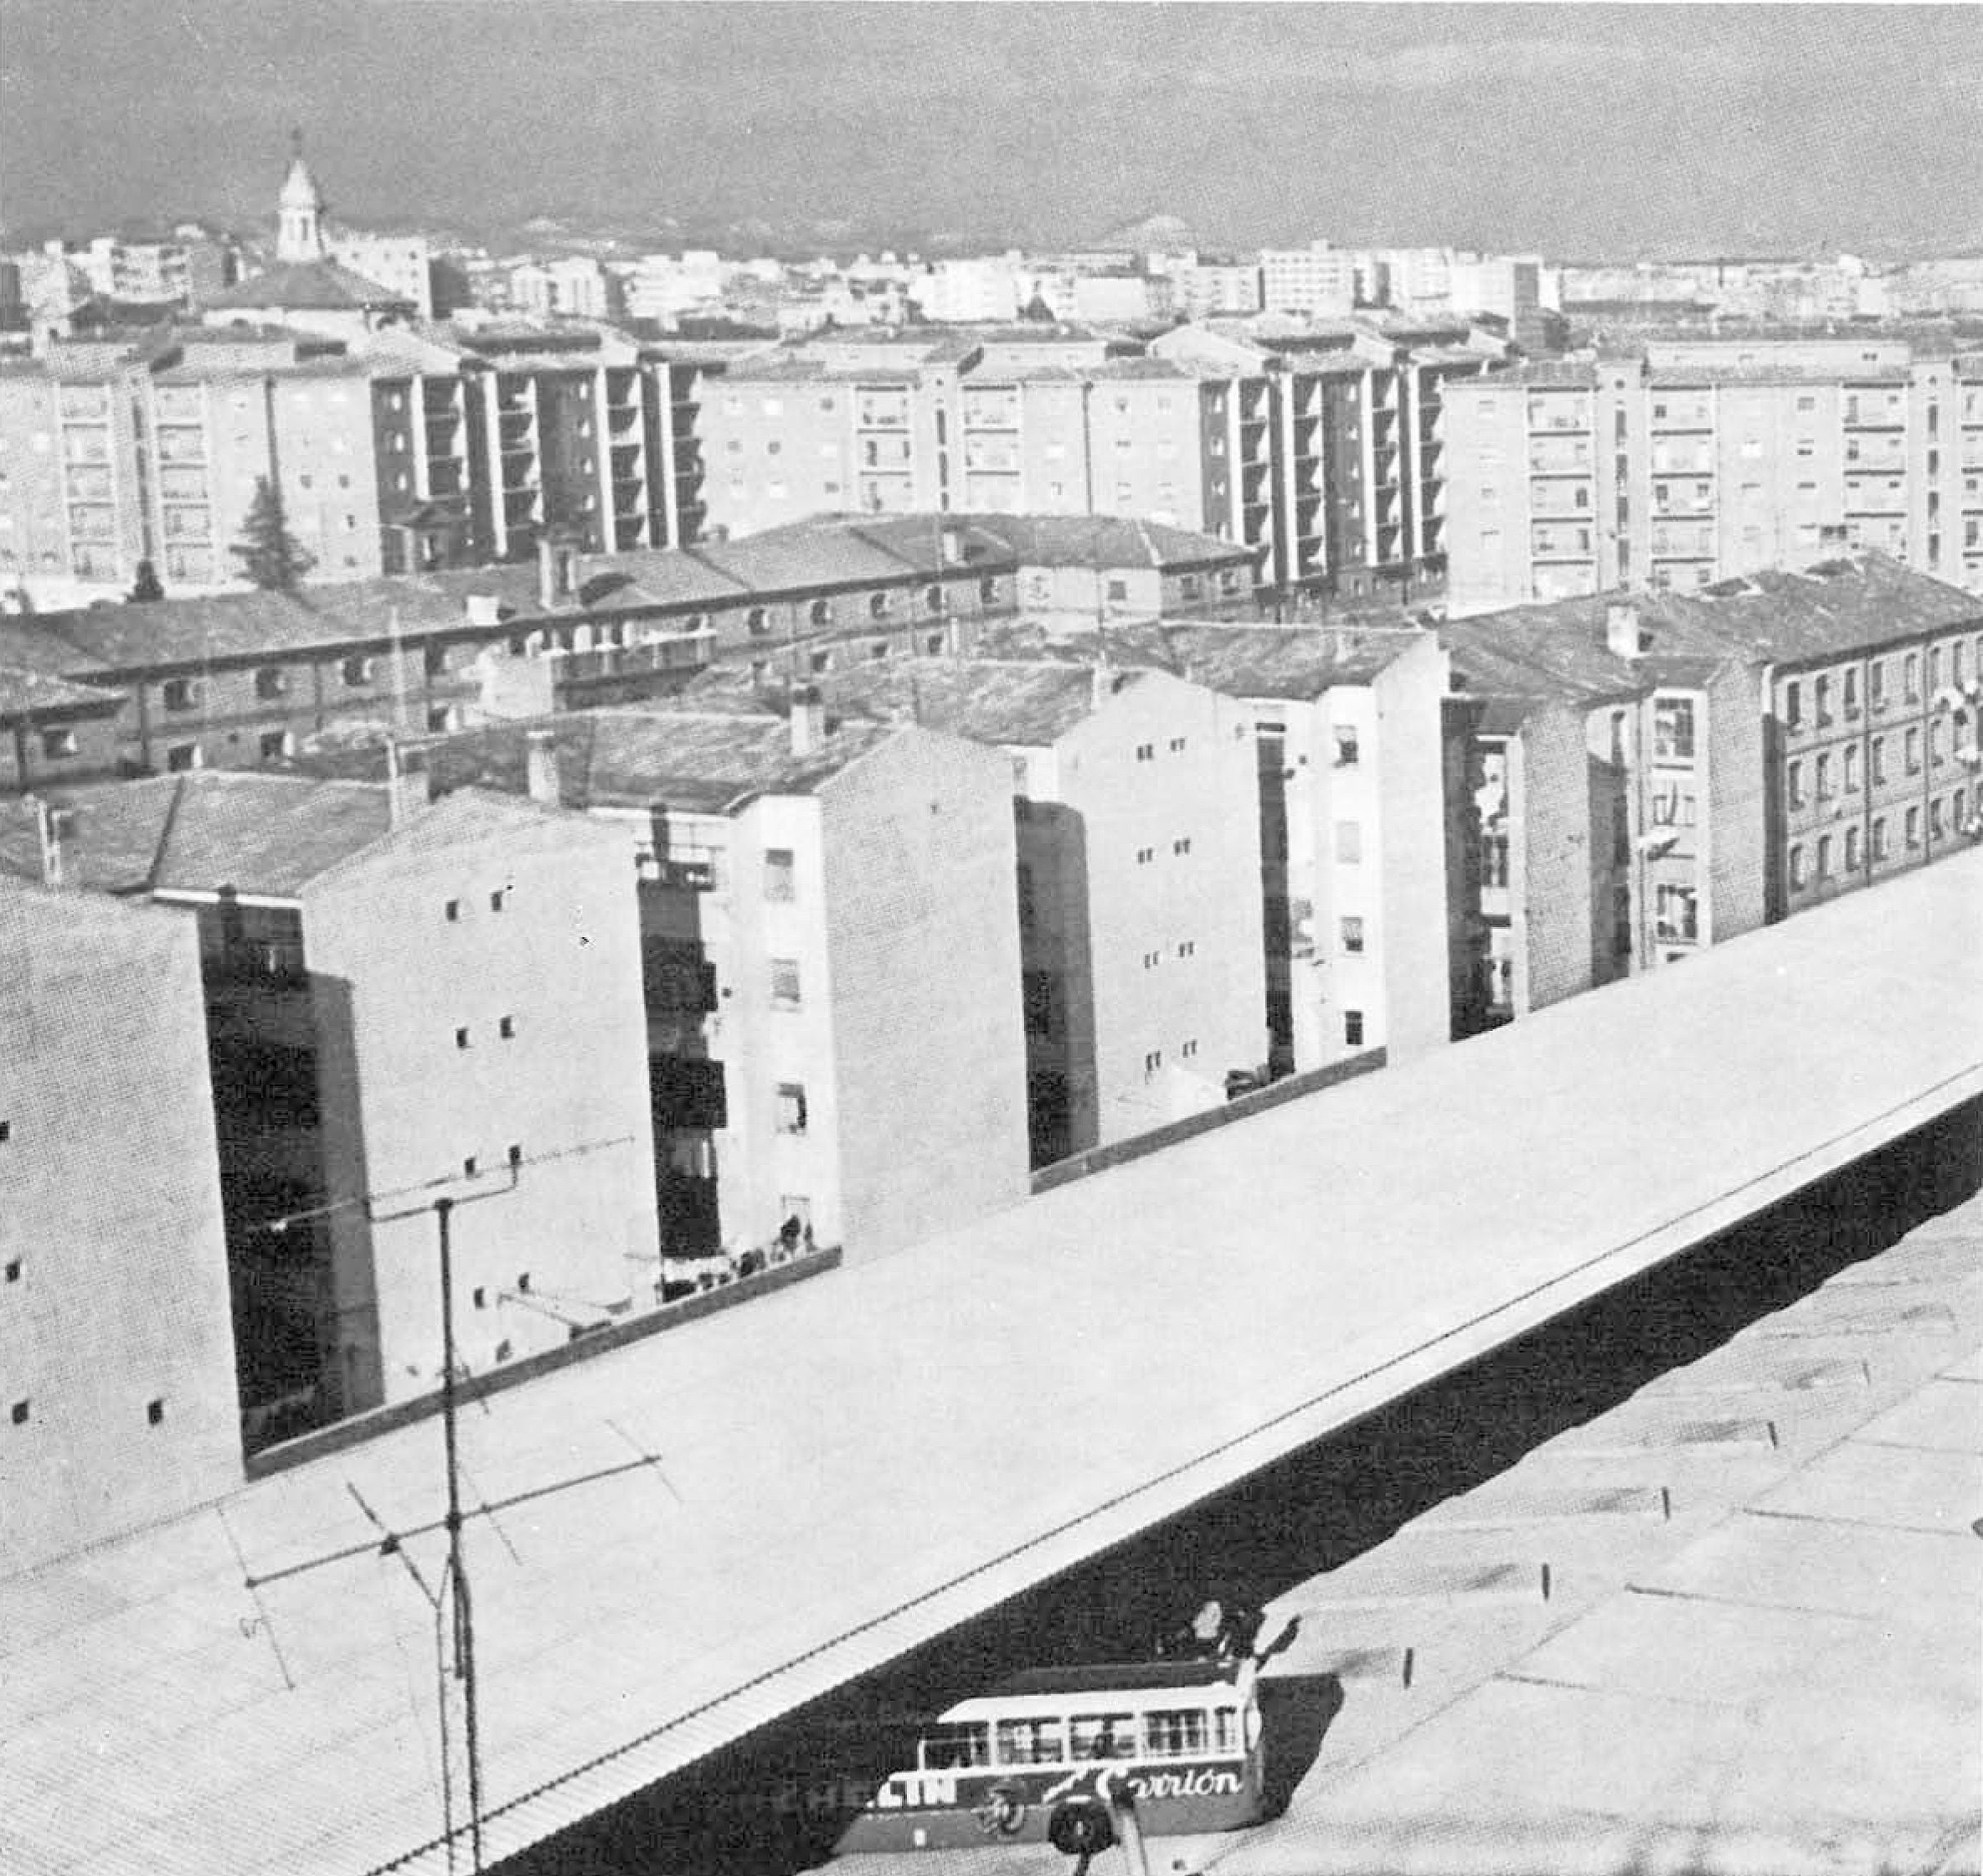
[{"x": 1728, "y": 130}]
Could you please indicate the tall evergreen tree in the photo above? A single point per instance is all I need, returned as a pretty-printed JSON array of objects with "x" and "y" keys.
[
  {"x": 272, "y": 558},
  {"x": 146, "y": 587}
]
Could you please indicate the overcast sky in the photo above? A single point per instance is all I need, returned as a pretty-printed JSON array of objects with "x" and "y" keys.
[{"x": 1577, "y": 129}]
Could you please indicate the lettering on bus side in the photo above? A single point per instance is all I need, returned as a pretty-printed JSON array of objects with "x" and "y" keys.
[
  {"x": 1204, "y": 1781},
  {"x": 918, "y": 1791}
]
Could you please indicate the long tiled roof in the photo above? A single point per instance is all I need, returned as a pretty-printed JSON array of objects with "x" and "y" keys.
[
  {"x": 1031, "y": 704},
  {"x": 1557, "y": 651},
  {"x": 656, "y": 755},
  {"x": 1106, "y": 541},
  {"x": 25, "y": 696},
  {"x": 267, "y": 836},
  {"x": 1238, "y": 660},
  {"x": 307, "y": 286}
]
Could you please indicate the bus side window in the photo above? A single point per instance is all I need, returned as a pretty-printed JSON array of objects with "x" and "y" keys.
[
  {"x": 1028, "y": 1742},
  {"x": 1104, "y": 1736},
  {"x": 960, "y": 1746},
  {"x": 1225, "y": 1729},
  {"x": 1173, "y": 1732}
]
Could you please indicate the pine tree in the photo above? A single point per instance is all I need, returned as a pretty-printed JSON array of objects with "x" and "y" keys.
[
  {"x": 146, "y": 587},
  {"x": 272, "y": 558}
]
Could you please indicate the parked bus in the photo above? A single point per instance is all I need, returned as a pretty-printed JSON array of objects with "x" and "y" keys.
[{"x": 1182, "y": 1739}]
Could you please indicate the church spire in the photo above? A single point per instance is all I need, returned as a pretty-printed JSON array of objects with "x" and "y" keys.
[{"x": 299, "y": 233}]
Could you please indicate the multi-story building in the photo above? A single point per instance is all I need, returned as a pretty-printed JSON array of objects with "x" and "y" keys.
[
  {"x": 1697, "y": 459},
  {"x": 1632, "y": 777},
  {"x": 1210, "y": 286},
  {"x": 1317, "y": 280},
  {"x": 831, "y": 962},
  {"x": 402, "y": 1003},
  {"x": 402, "y": 263},
  {"x": 1137, "y": 881},
  {"x": 117, "y": 1406},
  {"x": 1344, "y": 724}
]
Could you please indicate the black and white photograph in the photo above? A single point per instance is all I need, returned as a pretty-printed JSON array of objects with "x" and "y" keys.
[{"x": 990, "y": 938}]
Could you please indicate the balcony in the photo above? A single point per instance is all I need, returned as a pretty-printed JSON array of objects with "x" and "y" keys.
[
  {"x": 1554, "y": 458},
  {"x": 1679, "y": 418},
  {"x": 1864, "y": 413},
  {"x": 1559, "y": 415}
]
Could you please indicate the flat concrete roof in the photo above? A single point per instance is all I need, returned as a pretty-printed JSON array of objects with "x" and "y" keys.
[
  {"x": 1755, "y": 1650},
  {"x": 987, "y": 1392}
]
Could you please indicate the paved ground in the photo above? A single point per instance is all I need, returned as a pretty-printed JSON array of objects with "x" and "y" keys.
[{"x": 1733, "y": 1626}]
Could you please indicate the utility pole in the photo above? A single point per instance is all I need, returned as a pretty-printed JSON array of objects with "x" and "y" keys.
[{"x": 457, "y": 1564}]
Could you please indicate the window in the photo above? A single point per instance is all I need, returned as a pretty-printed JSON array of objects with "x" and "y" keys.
[
  {"x": 1118, "y": 589},
  {"x": 822, "y": 660},
  {"x": 1177, "y": 745},
  {"x": 1152, "y": 1063},
  {"x": 1347, "y": 749},
  {"x": 1913, "y": 752},
  {"x": 155, "y": 1413},
  {"x": 1173, "y": 1735},
  {"x": 877, "y": 606},
  {"x": 1189, "y": 948},
  {"x": 1823, "y": 778},
  {"x": 1353, "y": 1028},
  {"x": 1796, "y": 869},
  {"x": 454, "y": 911},
  {"x": 1793, "y": 704},
  {"x": 988, "y": 589},
  {"x": 1852, "y": 849},
  {"x": 1879, "y": 838},
  {"x": 1851, "y": 761},
  {"x": 270, "y": 682},
  {"x": 779, "y": 883},
  {"x": 1913, "y": 826},
  {"x": 757, "y": 622},
  {"x": 1824, "y": 866},
  {"x": 55, "y": 744},
  {"x": 355, "y": 672},
  {"x": 785, "y": 983},
  {"x": 1028, "y": 1742},
  {"x": 792, "y": 1107},
  {"x": 821, "y": 612},
  {"x": 506, "y": 1026},
  {"x": 1352, "y": 934},
  {"x": 1910, "y": 677},
  {"x": 1349, "y": 843},
  {"x": 19, "y": 1413},
  {"x": 1146, "y": 752},
  {"x": 1878, "y": 764},
  {"x": 1672, "y": 729},
  {"x": 1794, "y": 784},
  {"x": 13, "y": 1270},
  {"x": 460, "y": 1038},
  {"x": 498, "y": 898},
  {"x": 181, "y": 693},
  {"x": 1675, "y": 914},
  {"x": 1145, "y": 855},
  {"x": 182, "y": 756}
]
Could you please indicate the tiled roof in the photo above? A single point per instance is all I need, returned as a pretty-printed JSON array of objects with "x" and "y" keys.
[
  {"x": 1237, "y": 660},
  {"x": 1039, "y": 541},
  {"x": 25, "y": 696},
  {"x": 267, "y": 836},
  {"x": 1557, "y": 651},
  {"x": 701, "y": 760},
  {"x": 1028, "y": 704},
  {"x": 307, "y": 286}
]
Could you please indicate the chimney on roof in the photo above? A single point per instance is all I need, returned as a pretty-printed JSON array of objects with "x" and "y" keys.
[
  {"x": 51, "y": 823},
  {"x": 405, "y": 784},
  {"x": 1623, "y": 637},
  {"x": 808, "y": 720},
  {"x": 1101, "y": 682},
  {"x": 540, "y": 769},
  {"x": 950, "y": 538},
  {"x": 557, "y": 570}
]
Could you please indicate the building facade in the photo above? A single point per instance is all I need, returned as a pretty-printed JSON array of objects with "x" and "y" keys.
[
  {"x": 1695, "y": 460},
  {"x": 118, "y": 1400}
]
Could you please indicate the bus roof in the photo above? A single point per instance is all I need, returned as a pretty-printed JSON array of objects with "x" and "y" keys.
[{"x": 1123, "y": 1677}]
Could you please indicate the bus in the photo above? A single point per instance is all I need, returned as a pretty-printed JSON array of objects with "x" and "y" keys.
[{"x": 1035, "y": 1758}]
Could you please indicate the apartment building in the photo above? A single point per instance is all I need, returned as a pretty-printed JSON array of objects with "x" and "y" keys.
[
  {"x": 1318, "y": 280},
  {"x": 1137, "y": 879},
  {"x": 1631, "y": 777},
  {"x": 116, "y": 1364},
  {"x": 830, "y": 955},
  {"x": 1344, "y": 728},
  {"x": 400, "y": 1003},
  {"x": 1697, "y": 459}
]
